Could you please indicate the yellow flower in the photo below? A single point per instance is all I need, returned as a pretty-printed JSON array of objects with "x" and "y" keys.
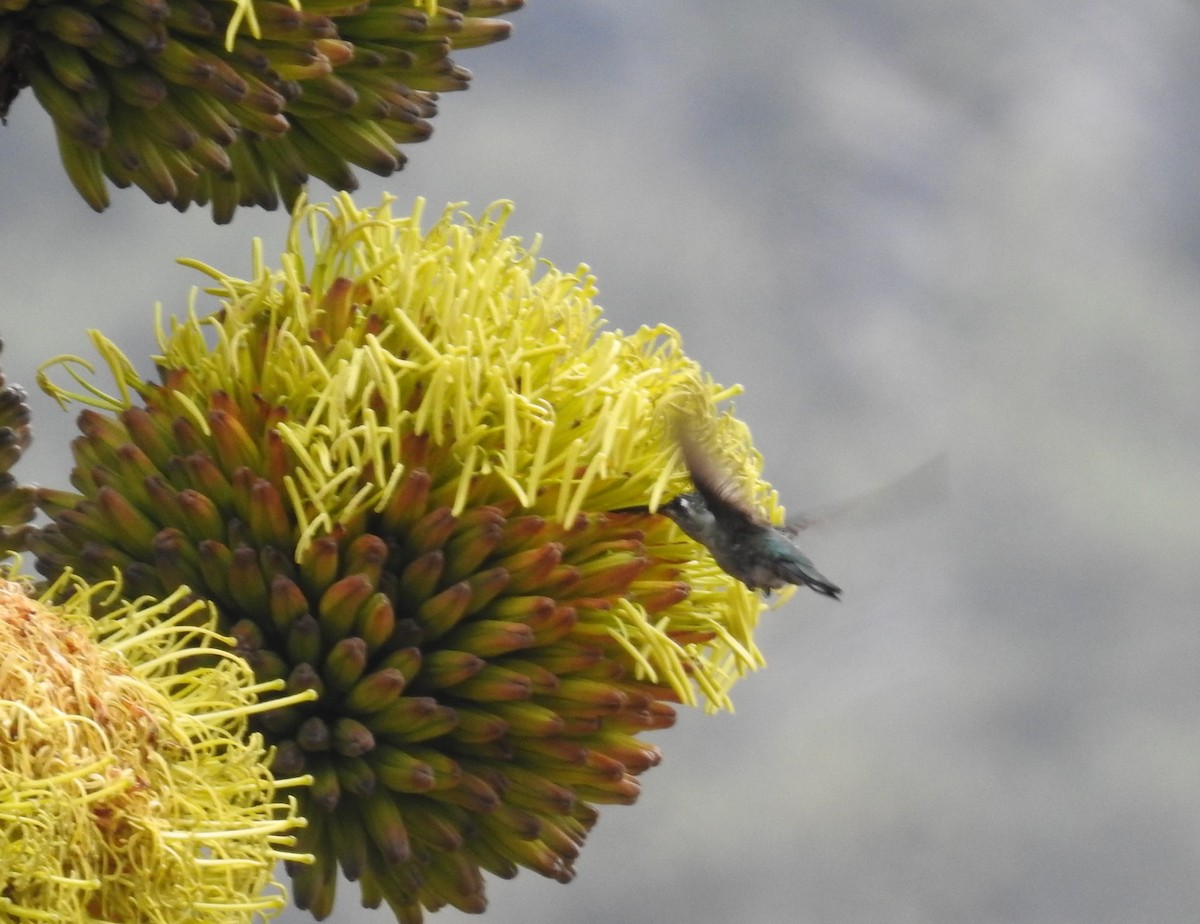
[
  {"x": 129, "y": 787},
  {"x": 401, "y": 465}
]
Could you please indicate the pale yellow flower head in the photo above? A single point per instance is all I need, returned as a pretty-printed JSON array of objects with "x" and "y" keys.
[{"x": 129, "y": 787}]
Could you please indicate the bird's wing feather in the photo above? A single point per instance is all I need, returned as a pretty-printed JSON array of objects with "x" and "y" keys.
[
  {"x": 922, "y": 488},
  {"x": 718, "y": 487}
]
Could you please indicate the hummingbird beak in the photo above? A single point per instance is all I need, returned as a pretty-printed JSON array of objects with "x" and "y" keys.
[{"x": 636, "y": 508}]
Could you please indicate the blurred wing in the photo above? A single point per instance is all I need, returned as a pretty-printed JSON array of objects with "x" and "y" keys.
[
  {"x": 924, "y": 487},
  {"x": 718, "y": 488}
]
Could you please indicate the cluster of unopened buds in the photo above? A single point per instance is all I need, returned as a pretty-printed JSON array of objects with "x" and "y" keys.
[{"x": 236, "y": 102}]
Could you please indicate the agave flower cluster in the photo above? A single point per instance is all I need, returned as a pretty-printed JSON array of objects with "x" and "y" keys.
[
  {"x": 401, "y": 466},
  {"x": 16, "y": 500},
  {"x": 129, "y": 787},
  {"x": 236, "y": 102}
]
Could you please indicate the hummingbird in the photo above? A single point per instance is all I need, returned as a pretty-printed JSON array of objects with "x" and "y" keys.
[
  {"x": 743, "y": 543},
  {"x": 747, "y": 547}
]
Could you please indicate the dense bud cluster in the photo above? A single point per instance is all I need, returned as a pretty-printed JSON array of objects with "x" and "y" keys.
[
  {"x": 16, "y": 500},
  {"x": 471, "y": 700},
  {"x": 236, "y": 103}
]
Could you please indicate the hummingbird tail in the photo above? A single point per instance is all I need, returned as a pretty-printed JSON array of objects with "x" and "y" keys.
[
  {"x": 803, "y": 572},
  {"x": 822, "y": 586}
]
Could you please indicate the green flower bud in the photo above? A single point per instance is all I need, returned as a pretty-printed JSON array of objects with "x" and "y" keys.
[{"x": 236, "y": 103}]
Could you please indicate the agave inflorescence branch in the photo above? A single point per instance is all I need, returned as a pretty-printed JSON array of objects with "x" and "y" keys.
[
  {"x": 397, "y": 468},
  {"x": 17, "y": 505},
  {"x": 236, "y": 102}
]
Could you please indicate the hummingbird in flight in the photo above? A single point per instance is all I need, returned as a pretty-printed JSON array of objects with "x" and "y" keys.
[
  {"x": 747, "y": 547},
  {"x": 741, "y": 541}
]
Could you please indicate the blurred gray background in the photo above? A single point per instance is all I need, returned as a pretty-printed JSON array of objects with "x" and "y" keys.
[{"x": 906, "y": 228}]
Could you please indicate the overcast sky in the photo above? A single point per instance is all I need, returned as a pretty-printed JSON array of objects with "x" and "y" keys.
[{"x": 906, "y": 228}]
